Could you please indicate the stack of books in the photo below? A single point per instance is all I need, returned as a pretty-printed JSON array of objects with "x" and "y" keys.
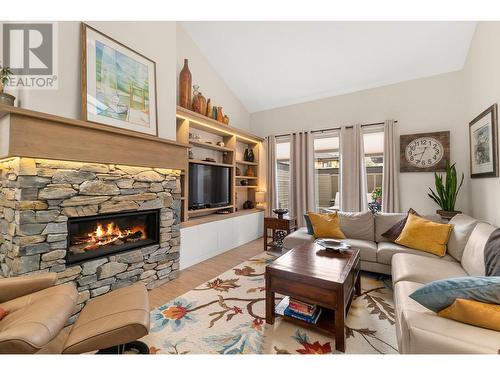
[{"x": 299, "y": 310}]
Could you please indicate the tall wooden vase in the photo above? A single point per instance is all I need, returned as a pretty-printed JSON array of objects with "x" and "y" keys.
[{"x": 185, "y": 86}]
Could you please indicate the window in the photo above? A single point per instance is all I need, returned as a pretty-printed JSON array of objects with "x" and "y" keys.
[
  {"x": 373, "y": 141},
  {"x": 326, "y": 170},
  {"x": 283, "y": 171}
]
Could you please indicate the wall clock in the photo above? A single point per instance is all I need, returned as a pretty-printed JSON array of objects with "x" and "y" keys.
[{"x": 424, "y": 152}]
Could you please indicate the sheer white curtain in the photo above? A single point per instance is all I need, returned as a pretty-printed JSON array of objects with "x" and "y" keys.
[
  {"x": 301, "y": 175},
  {"x": 390, "y": 189},
  {"x": 271, "y": 179},
  {"x": 353, "y": 187}
]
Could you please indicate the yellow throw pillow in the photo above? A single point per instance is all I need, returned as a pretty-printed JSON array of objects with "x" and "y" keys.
[
  {"x": 422, "y": 234},
  {"x": 326, "y": 225},
  {"x": 485, "y": 315}
]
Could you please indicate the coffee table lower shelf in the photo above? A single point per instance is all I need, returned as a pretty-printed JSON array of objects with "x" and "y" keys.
[{"x": 325, "y": 323}]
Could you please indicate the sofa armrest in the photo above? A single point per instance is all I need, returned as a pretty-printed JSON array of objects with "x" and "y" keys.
[{"x": 14, "y": 287}]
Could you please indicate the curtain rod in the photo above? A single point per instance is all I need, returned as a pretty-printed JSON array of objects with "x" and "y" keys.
[{"x": 337, "y": 128}]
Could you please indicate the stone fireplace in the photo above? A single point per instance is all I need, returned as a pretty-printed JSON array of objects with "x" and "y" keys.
[{"x": 100, "y": 226}]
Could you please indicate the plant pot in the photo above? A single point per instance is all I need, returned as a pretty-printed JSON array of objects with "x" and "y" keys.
[
  {"x": 7, "y": 98},
  {"x": 447, "y": 215}
]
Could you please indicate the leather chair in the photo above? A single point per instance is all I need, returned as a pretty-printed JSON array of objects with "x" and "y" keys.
[{"x": 39, "y": 309}]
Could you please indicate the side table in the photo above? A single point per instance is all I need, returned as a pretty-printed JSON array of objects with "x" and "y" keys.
[{"x": 279, "y": 229}]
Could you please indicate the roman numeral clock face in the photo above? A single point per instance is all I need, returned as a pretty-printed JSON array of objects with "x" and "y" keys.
[{"x": 424, "y": 152}]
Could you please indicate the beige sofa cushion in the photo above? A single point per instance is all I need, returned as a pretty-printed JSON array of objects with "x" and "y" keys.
[
  {"x": 297, "y": 238},
  {"x": 358, "y": 225},
  {"x": 384, "y": 221},
  {"x": 463, "y": 226},
  {"x": 386, "y": 250},
  {"x": 420, "y": 330},
  {"x": 367, "y": 249},
  {"x": 473, "y": 256},
  {"x": 424, "y": 269}
]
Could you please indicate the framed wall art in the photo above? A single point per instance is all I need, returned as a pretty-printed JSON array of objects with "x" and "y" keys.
[
  {"x": 483, "y": 146},
  {"x": 118, "y": 84}
]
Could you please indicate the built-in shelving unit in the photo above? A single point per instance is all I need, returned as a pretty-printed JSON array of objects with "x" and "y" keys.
[{"x": 210, "y": 134}]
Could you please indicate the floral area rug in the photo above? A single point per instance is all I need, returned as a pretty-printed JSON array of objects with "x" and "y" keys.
[{"x": 226, "y": 315}]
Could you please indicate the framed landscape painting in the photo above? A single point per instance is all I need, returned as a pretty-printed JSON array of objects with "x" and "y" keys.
[
  {"x": 118, "y": 84},
  {"x": 483, "y": 144}
]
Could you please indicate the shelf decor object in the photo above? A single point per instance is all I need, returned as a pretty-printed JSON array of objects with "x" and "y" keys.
[
  {"x": 118, "y": 84},
  {"x": 185, "y": 86},
  {"x": 219, "y": 114},
  {"x": 260, "y": 199},
  {"x": 483, "y": 151}
]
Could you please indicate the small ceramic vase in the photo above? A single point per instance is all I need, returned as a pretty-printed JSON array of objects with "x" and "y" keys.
[
  {"x": 220, "y": 116},
  {"x": 185, "y": 86},
  {"x": 251, "y": 156},
  {"x": 225, "y": 120},
  {"x": 209, "y": 112},
  {"x": 196, "y": 106},
  {"x": 250, "y": 172}
]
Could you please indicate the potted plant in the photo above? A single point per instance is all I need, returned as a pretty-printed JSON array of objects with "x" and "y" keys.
[
  {"x": 447, "y": 192},
  {"x": 5, "y": 74}
]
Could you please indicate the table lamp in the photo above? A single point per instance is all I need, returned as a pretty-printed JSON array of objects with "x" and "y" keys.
[{"x": 260, "y": 199}]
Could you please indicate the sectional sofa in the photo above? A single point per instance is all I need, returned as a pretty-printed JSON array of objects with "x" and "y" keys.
[{"x": 418, "y": 329}]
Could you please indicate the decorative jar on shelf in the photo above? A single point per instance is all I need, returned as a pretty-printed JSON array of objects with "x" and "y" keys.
[
  {"x": 220, "y": 116},
  {"x": 185, "y": 86},
  {"x": 250, "y": 172},
  {"x": 251, "y": 156},
  {"x": 199, "y": 101},
  {"x": 245, "y": 155},
  {"x": 209, "y": 112},
  {"x": 225, "y": 119}
]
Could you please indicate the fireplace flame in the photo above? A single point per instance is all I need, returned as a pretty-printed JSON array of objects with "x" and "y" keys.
[{"x": 112, "y": 234}]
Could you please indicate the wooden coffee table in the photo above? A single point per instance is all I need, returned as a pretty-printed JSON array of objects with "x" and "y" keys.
[{"x": 313, "y": 275}]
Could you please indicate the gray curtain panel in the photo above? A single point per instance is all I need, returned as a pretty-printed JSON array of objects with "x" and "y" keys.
[
  {"x": 390, "y": 189},
  {"x": 353, "y": 186},
  {"x": 271, "y": 180},
  {"x": 301, "y": 175}
]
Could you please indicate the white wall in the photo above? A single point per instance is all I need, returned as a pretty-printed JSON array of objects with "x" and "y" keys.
[
  {"x": 422, "y": 105},
  {"x": 211, "y": 84},
  {"x": 156, "y": 40},
  {"x": 482, "y": 89}
]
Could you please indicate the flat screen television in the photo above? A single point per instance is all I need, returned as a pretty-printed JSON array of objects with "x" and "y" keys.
[{"x": 209, "y": 186}]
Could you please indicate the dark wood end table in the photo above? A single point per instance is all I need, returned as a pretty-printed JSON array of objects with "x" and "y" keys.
[
  {"x": 313, "y": 275},
  {"x": 274, "y": 224}
]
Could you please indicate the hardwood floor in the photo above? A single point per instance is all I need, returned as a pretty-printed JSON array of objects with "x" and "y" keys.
[{"x": 195, "y": 275}]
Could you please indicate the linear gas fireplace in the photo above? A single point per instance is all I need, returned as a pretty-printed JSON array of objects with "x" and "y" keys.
[{"x": 102, "y": 235}]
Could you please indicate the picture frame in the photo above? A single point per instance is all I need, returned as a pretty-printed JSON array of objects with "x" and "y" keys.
[
  {"x": 118, "y": 84},
  {"x": 483, "y": 146}
]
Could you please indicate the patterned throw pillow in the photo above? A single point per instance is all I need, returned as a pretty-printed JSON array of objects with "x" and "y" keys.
[
  {"x": 393, "y": 233},
  {"x": 3, "y": 313},
  {"x": 440, "y": 294}
]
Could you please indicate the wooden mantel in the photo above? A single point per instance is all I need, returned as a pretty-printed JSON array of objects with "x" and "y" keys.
[{"x": 39, "y": 135}]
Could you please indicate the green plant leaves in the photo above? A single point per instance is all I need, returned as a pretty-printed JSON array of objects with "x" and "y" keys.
[{"x": 446, "y": 193}]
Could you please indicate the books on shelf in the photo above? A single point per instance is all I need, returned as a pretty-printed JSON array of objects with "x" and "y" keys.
[{"x": 299, "y": 310}]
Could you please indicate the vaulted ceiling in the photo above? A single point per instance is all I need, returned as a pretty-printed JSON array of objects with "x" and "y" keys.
[{"x": 274, "y": 64}]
